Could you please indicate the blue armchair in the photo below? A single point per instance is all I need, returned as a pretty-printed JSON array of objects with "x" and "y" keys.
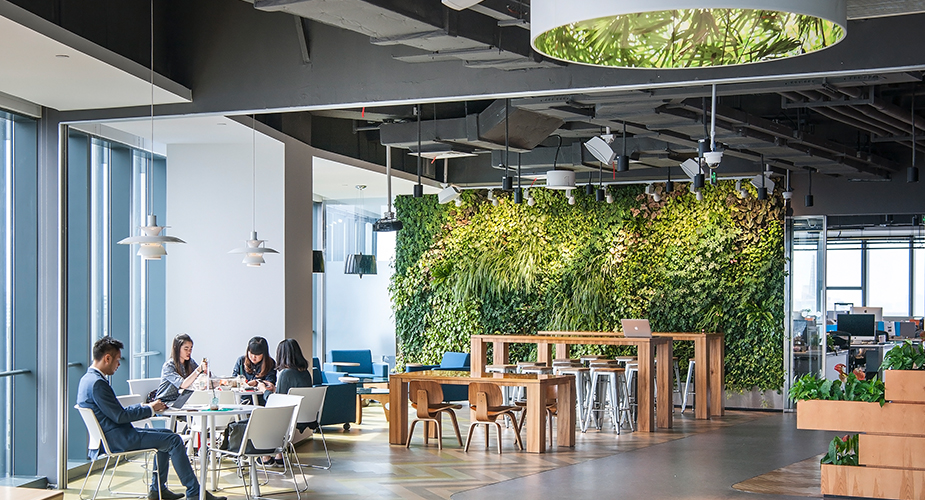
[
  {"x": 456, "y": 361},
  {"x": 366, "y": 369},
  {"x": 340, "y": 400}
]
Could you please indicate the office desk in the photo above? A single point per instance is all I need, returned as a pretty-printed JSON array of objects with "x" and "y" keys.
[
  {"x": 536, "y": 402},
  {"x": 648, "y": 349}
]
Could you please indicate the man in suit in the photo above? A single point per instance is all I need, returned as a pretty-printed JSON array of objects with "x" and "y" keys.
[{"x": 94, "y": 392}]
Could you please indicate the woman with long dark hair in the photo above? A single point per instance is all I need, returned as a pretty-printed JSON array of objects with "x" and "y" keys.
[
  {"x": 181, "y": 370},
  {"x": 294, "y": 370},
  {"x": 256, "y": 366}
]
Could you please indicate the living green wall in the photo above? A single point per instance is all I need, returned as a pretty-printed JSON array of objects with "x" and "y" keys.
[{"x": 687, "y": 265}]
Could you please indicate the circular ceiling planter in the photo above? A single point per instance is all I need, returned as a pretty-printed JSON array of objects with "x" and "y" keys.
[{"x": 667, "y": 34}]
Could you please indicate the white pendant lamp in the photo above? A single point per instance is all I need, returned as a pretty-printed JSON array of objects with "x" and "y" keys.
[
  {"x": 683, "y": 33},
  {"x": 151, "y": 242},
  {"x": 254, "y": 248}
]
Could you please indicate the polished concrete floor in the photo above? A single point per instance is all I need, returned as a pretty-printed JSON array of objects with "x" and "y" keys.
[{"x": 696, "y": 459}]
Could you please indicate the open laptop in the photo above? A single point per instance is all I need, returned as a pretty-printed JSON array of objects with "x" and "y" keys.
[
  {"x": 181, "y": 400},
  {"x": 636, "y": 328}
]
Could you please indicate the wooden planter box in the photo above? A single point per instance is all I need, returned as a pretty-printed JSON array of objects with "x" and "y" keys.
[{"x": 891, "y": 447}]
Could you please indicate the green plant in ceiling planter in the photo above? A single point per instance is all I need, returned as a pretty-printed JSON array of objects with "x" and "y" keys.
[
  {"x": 515, "y": 269},
  {"x": 689, "y": 38}
]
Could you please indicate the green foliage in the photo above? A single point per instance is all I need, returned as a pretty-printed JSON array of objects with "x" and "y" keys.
[
  {"x": 842, "y": 451},
  {"x": 715, "y": 265},
  {"x": 689, "y": 38},
  {"x": 810, "y": 387},
  {"x": 906, "y": 356}
]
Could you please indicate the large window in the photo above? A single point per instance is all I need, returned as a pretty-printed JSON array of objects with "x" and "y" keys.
[
  {"x": 18, "y": 281},
  {"x": 111, "y": 291},
  {"x": 877, "y": 272}
]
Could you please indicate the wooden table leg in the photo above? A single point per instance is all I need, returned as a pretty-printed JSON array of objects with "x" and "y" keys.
[
  {"x": 645, "y": 390},
  {"x": 544, "y": 354},
  {"x": 500, "y": 353},
  {"x": 665, "y": 365},
  {"x": 358, "y": 419},
  {"x": 565, "y": 425},
  {"x": 717, "y": 370},
  {"x": 398, "y": 412},
  {"x": 701, "y": 378},
  {"x": 562, "y": 351},
  {"x": 479, "y": 358},
  {"x": 536, "y": 423}
]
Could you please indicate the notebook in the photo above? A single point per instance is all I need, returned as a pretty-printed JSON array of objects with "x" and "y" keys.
[
  {"x": 636, "y": 328},
  {"x": 181, "y": 400}
]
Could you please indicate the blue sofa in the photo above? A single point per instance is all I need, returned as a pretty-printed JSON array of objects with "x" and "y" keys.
[
  {"x": 455, "y": 361},
  {"x": 340, "y": 400},
  {"x": 366, "y": 369}
]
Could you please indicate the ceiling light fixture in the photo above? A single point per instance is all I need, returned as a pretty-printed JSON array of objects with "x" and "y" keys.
[
  {"x": 358, "y": 263},
  {"x": 507, "y": 183},
  {"x": 418, "y": 188},
  {"x": 683, "y": 33},
  {"x": 460, "y": 4},
  {"x": 529, "y": 195},
  {"x": 151, "y": 242},
  {"x": 388, "y": 222},
  {"x": 808, "y": 201},
  {"x": 623, "y": 161},
  {"x": 599, "y": 147},
  {"x": 762, "y": 190},
  {"x": 254, "y": 248}
]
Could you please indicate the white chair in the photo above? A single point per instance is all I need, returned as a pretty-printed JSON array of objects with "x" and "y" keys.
[
  {"x": 98, "y": 441},
  {"x": 277, "y": 400},
  {"x": 203, "y": 398},
  {"x": 265, "y": 434},
  {"x": 310, "y": 413},
  {"x": 143, "y": 386}
]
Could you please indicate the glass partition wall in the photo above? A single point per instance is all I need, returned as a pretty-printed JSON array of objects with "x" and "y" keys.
[{"x": 805, "y": 339}]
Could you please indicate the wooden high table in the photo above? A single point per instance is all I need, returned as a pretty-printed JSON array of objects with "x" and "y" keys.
[
  {"x": 709, "y": 354},
  {"x": 536, "y": 402},
  {"x": 649, "y": 417}
]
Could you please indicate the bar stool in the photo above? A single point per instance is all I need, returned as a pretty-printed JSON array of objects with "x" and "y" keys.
[
  {"x": 505, "y": 390},
  {"x": 591, "y": 357},
  {"x": 537, "y": 369},
  {"x": 582, "y": 385},
  {"x": 687, "y": 385},
  {"x": 611, "y": 380}
]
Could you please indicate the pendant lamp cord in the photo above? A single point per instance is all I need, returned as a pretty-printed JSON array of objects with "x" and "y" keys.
[
  {"x": 419, "y": 143},
  {"x": 761, "y": 171},
  {"x": 149, "y": 202},
  {"x": 713, "y": 120},
  {"x": 507, "y": 145},
  {"x": 913, "y": 127},
  {"x": 254, "y": 173},
  {"x": 388, "y": 177}
]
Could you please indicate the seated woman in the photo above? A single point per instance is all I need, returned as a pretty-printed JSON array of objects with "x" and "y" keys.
[
  {"x": 294, "y": 370},
  {"x": 181, "y": 370},
  {"x": 256, "y": 366}
]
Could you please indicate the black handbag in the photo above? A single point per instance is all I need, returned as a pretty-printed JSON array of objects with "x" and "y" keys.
[{"x": 234, "y": 433}]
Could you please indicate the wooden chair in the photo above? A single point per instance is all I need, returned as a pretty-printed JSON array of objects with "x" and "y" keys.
[
  {"x": 487, "y": 401},
  {"x": 427, "y": 398}
]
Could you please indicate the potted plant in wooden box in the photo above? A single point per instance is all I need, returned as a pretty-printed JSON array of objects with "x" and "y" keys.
[
  {"x": 831, "y": 405},
  {"x": 904, "y": 372}
]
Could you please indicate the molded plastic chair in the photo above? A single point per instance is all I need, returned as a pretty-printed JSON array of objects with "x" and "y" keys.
[
  {"x": 310, "y": 414},
  {"x": 143, "y": 386},
  {"x": 265, "y": 434},
  {"x": 427, "y": 398},
  {"x": 98, "y": 441},
  {"x": 488, "y": 402},
  {"x": 278, "y": 400}
]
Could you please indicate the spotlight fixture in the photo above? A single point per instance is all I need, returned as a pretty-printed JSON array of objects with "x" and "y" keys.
[
  {"x": 560, "y": 179},
  {"x": 529, "y": 196},
  {"x": 656, "y": 197},
  {"x": 449, "y": 193},
  {"x": 570, "y": 196},
  {"x": 788, "y": 191},
  {"x": 491, "y": 197},
  {"x": 699, "y": 195},
  {"x": 666, "y": 34},
  {"x": 458, "y": 202},
  {"x": 460, "y": 4},
  {"x": 358, "y": 263},
  {"x": 741, "y": 191},
  {"x": 698, "y": 181},
  {"x": 609, "y": 197},
  {"x": 599, "y": 147}
]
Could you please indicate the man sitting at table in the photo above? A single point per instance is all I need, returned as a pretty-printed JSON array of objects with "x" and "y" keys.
[{"x": 94, "y": 392}]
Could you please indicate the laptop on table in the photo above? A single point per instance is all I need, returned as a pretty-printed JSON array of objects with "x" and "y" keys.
[
  {"x": 638, "y": 328},
  {"x": 181, "y": 400}
]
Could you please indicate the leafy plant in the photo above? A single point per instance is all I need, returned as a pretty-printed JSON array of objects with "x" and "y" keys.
[
  {"x": 715, "y": 265},
  {"x": 842, "y": 451},
  {"x": 811, "y": 387},
  {"x": 906, "y": 356}
]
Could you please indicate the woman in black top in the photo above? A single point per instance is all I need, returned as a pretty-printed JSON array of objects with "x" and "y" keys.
[
  {"x": 294, "y": 370},
  {"x": 256, "y": 365}
]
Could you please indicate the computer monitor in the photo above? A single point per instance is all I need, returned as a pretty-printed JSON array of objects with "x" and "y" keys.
[
  {"x": 860, "y": 326},
  {"x": 876, "y": 311},
  {"x": 843, "y": 307}
]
